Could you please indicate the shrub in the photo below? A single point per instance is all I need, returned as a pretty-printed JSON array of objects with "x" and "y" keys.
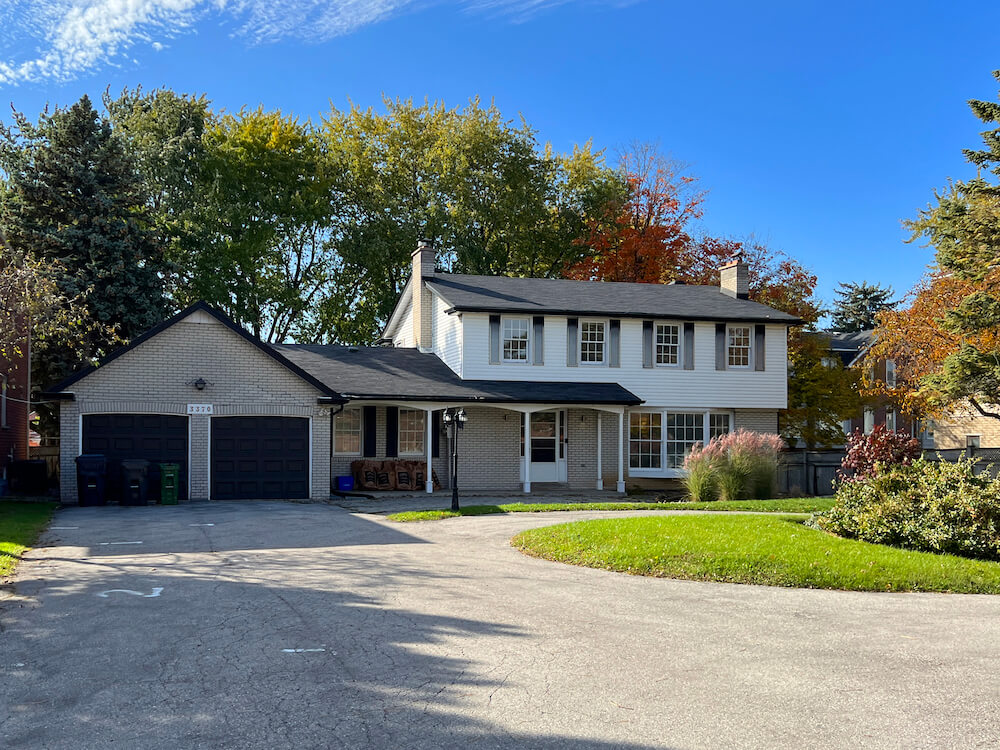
[
  {"x": 734, "y": 466},
  {"x": 927, "y": 506},
  {"x": 882, "y": 447}
]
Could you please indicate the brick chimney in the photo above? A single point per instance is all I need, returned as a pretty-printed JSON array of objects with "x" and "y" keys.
[
  {"x": 423, "y": 266},
  {"x": 734, "y": 278}
]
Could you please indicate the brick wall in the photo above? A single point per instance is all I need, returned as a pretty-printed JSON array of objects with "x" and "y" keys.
[
  {"x": 14, "y": 433},
  {"x": 758, "y": 420},
  {"x": 951, "y": 431},
  {"x": 154, "y": 377}
]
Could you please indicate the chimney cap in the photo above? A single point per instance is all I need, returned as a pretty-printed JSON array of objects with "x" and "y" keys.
[{"x": 425, "y": 242}]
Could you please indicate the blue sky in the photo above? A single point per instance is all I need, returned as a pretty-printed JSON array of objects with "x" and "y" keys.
[{"x": 816, "y": 126}]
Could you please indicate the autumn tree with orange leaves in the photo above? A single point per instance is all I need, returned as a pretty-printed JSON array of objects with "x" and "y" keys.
[
  {"x": 646, "y": 237},
  {"x": 946, "y": 342}
]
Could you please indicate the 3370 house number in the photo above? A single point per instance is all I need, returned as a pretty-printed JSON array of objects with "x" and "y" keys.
[{"x": 200, "y": 409}]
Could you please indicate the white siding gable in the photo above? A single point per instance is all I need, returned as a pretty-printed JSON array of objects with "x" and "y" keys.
[{"x": 446, "y": 334}]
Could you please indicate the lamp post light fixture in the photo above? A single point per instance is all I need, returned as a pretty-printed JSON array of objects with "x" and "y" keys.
[{"x": 455, "y": 419}]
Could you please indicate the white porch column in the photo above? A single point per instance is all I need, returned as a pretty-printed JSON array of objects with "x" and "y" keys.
[
  {"x": 621, "y": 451},
  {"x": 600, "y": 475},
  {"x": 527, "y": 452},
  {"x": 429, "y": 449}
]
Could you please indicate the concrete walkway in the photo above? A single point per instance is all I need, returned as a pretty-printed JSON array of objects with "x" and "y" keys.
[{"x": 274, "y": 625}]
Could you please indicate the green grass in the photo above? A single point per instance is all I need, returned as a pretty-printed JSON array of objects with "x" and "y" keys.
[
  {"x": 20, "y": 525},
  {"x": 787, "y": 505},
  {"x": 767, "y": 550}
]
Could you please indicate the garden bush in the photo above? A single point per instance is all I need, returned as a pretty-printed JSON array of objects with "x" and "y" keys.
[
  {"x": 735, "y": 466},
  {"x": 881, "y": 447},
  {"x": 931, "y": 506}
]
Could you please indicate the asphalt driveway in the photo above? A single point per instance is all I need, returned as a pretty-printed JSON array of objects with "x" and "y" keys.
[{"x": 277, "y": 625}]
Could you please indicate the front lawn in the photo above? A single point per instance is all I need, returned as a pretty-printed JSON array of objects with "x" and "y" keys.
[
  {"x": 786, "y": 505},
  {"x": 20, "y": 525},
  {"x": 768, "y": 550}
]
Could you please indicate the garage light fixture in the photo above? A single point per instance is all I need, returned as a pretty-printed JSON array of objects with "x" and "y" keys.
[{"x": 200, "y": 383}]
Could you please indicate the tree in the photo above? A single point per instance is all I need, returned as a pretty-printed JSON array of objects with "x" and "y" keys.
[
  {"x": 72, "y": 198},
  {"x": 948, "y": 339},
  {"x": 857, "y": 306},
  {"x": 821, "y": 394},
  {"x": 640, "y": 235},
  {"x": 473, "y": 181}
]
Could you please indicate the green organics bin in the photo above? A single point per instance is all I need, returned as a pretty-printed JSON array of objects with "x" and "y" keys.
[{"x": 169, "y": 487}]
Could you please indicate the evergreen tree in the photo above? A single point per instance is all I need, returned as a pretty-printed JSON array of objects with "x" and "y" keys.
[
  {"x": 858, "y": 305},
  {"x": 72, "y": 197}
]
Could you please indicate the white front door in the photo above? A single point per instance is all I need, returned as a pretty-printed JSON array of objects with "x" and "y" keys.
[{"x": 547, "y": 449}]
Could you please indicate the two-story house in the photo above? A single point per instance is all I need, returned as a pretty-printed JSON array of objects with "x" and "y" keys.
[{"x": 582, "y": 384}]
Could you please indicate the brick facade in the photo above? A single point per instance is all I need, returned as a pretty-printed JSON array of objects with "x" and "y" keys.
[
  {"x": 14, "y": 430},
  {"x": 156, "y": 378},
  {"x": 953, "y": 431}
]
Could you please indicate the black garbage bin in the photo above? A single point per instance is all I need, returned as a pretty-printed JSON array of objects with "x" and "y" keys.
[
  {"x": 135, "y": 484},
  {"x": 90, "y": 479}
]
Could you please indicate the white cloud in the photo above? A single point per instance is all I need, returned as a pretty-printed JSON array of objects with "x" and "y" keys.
[{"x": 72, "y": 37}]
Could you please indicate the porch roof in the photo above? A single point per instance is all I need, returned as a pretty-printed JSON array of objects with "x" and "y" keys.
[{"x": 394, "y": 374}]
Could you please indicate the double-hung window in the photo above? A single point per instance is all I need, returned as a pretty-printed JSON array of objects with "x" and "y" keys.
[
  {"x": 515, "y": 339},
  {"x": 347, "y": 432},
  {"x": 738, "y": 350},
  {"x": 411, "y": 432},
  {"x": 668, "y": 344},
  {"x": 592, "y": 342},
  {"x": 890, "y": 373},
  {"x": 718, "y": 425}
]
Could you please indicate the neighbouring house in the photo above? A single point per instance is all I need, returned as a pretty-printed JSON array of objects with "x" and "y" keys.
[
  {"x": 14, "y": 408},
  {"x": 578, "y": 384},
  {"x": 852, "y": 349}
]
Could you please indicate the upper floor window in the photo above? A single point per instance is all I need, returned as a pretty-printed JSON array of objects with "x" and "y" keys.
[
  {"x": 347, "y": 432},
  {"x": 668, "y": 344},
  {"x": 592, "y": 341},
  {"x": 738, "y": 352},
  {"x": 890, "y": 373},
  {"x": 515, "y": 339},
  {"x": 411, "y": 432}
]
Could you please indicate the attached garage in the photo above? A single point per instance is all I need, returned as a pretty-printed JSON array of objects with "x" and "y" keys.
[
  {"x": 260, "y": 458},
  {"x": 241, "y": 419},
  {"x": 158, "y": 438}
]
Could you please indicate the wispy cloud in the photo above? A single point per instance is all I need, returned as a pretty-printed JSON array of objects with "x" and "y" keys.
[{"x": 71, "y": 37}]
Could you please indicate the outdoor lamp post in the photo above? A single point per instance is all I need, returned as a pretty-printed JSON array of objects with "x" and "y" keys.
[{"x": 455, "y": 419}]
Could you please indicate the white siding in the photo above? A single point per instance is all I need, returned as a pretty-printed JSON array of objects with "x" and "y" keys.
[
  {"x": 404, "y": 332},
  {"x": 446, "y": 335},
  {"x": 703, "y": 387}
]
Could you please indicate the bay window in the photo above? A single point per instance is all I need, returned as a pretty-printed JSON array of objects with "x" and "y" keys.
[{"x": 659, "y": 441}]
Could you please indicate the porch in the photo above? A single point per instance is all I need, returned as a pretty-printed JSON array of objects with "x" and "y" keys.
[{"x": 502, "y": 448}]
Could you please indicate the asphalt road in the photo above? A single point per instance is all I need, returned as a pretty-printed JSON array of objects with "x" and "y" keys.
[{"x": 275, "y": 625}]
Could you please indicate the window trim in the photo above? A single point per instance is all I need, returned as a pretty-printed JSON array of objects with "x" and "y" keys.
[
  {"x": 399, "y": 433},
  {"x": 680, "y": 343},
  {"x": 890, "y": 366},
  {"x": 360, "y": 431},
  {"x": 749, "y": 346},
  {"x": 528, "y": 348},
  {"x": 605, "y": 328}
]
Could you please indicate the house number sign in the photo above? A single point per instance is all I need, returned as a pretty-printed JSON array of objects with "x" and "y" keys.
[{"x": 200, "y": 409}]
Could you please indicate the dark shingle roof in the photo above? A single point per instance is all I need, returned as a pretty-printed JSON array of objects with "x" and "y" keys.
[
  {"x": 565, "y": 297},
  {"x": 386, "y": 373},
  {"x": 848, "y": 346}
]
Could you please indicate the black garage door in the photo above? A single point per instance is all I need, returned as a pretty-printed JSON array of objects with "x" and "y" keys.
[
  {"x": 158, "y": 438},
  {"x": 260, "y": 458}
]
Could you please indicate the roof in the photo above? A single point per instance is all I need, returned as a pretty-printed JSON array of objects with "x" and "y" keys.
[
  {"x": 329, "y": 391},
  {"x": 849, "y": 346},
  {"x": 466, "y": 293},
  {"x": 388, "y": 374}
]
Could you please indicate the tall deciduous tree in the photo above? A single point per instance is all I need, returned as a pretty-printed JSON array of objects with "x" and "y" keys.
[
  {"x": 821, "y": 394},
  {"x": 475, "y": 182},
  {"x": 948, "y": 339},
  {"x": 72, "y": 197},
  {"x": 641, "y": 234},
  {"x": 857, "y": 306}
]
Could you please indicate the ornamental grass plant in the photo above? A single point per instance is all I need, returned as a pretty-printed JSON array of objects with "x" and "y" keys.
[{"x": 736, "y": 466}]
